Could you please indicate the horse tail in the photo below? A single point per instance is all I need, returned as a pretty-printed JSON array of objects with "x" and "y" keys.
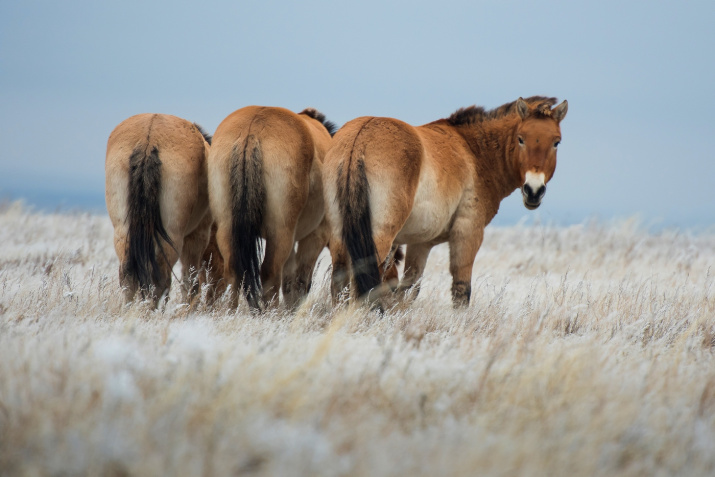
[
  {"x": 354, "y": 203},
  {"x": 248, "y": 198},
  {"x": 146, "y": 229}
]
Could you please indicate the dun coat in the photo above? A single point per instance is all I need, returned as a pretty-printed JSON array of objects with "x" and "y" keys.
[
  {"x": 157, "y": 199},
  {"x": 265, "y": 182},
  {"x": 388, "y": 183}
]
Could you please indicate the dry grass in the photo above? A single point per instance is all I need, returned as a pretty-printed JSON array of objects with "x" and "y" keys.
[{"x": 586, "y": 350}]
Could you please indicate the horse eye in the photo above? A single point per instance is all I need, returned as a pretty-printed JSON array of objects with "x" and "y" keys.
[
  {"x": 556, "y": 144},
  {"x": 521, "y": 141}
]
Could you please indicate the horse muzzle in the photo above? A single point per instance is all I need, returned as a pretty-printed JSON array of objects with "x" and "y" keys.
[{"x": 533, "y": 190}]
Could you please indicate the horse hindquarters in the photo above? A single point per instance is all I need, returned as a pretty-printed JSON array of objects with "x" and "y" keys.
[{"x": 372, "y": 172}]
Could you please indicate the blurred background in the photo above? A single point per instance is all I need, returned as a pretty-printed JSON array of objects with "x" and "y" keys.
[{"x": 639, "y": 78}]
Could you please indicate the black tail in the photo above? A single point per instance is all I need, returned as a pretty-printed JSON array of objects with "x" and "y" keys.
[
  {"x": 248, "y": 192},
  {"x": 144, "y": 216},
  {"x": 354, "y": 202}
]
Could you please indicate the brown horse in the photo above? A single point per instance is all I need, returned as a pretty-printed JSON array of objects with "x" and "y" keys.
[
  {"x": 265, "y": 181},
  {"x": 389, "y": 183},
  {"x": 157, "y": 199}
]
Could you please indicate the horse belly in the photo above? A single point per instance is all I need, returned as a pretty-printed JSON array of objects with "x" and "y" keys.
[{"x": 430, "y": 217}]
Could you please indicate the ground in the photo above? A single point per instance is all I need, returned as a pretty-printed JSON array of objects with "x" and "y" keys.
[{"x": 586, "y": 350}]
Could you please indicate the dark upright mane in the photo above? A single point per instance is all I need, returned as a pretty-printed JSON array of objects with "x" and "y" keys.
[
  {"x": 540, "y": 105},
  {"x": 206, "y": 135},
  {"x": 318, "y": 116}
]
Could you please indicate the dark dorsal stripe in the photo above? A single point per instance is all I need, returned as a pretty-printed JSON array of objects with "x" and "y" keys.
[
  {"x": 320, "y": 117},
  {"x": 541, "y": 105}
]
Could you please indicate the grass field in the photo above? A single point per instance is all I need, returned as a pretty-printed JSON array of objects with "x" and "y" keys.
[{"x": 586, "y": 350}]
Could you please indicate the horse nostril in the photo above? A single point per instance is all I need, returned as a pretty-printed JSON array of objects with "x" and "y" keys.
[
  {"x": 528, "y": 190},
  {"x": 540, "y": 192}
]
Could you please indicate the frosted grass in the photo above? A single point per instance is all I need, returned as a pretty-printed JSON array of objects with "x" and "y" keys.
[{"x": 586, "y": 350}]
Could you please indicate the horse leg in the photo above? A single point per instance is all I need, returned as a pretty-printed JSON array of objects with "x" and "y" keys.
[
  {"x": 340, "y": 279},
  {"x": 465, "y": 238},
  {"x": 223, "y": 241},
  {"x": 289, "y": 272},
  {"x": 296, "y": 285},
  {"x": 415, "y": 261},
  {"x": 341, "y": 270},
  {"x": 212, "y": 269},
  {"x": 194, "y": 245},
  {"x": 376, "y": 296},
  {"x": 279, "y": 247},
  {"x": 126, "y": 281},
  {"x": 167, "y": 257},
  {"x": 390, "y": 273}
]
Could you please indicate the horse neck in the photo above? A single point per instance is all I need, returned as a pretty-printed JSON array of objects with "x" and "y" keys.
[{"x": 492, "y": 143}]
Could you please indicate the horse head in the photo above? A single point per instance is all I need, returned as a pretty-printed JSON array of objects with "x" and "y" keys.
[{"x": 537, "y": 136}]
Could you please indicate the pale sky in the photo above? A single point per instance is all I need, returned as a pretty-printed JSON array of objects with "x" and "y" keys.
[{"x": 639, "y": 78}]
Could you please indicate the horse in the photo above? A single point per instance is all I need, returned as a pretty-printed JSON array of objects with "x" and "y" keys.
[
  {"x": 388, "y": 183},
  {"x": 157, "y": 199},
  {"x": 265, "y": 182}
]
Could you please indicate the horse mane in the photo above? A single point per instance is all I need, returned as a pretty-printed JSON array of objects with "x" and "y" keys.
[
  {"x": 539, "y": 105},
  {"x": 206, "y": 135},
  {"x": 320, "y": 117}
]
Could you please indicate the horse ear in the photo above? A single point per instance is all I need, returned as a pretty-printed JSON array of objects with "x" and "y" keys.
[
  {"x": 522, "y": 108},
  {"x": 559, "y": 112}
]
